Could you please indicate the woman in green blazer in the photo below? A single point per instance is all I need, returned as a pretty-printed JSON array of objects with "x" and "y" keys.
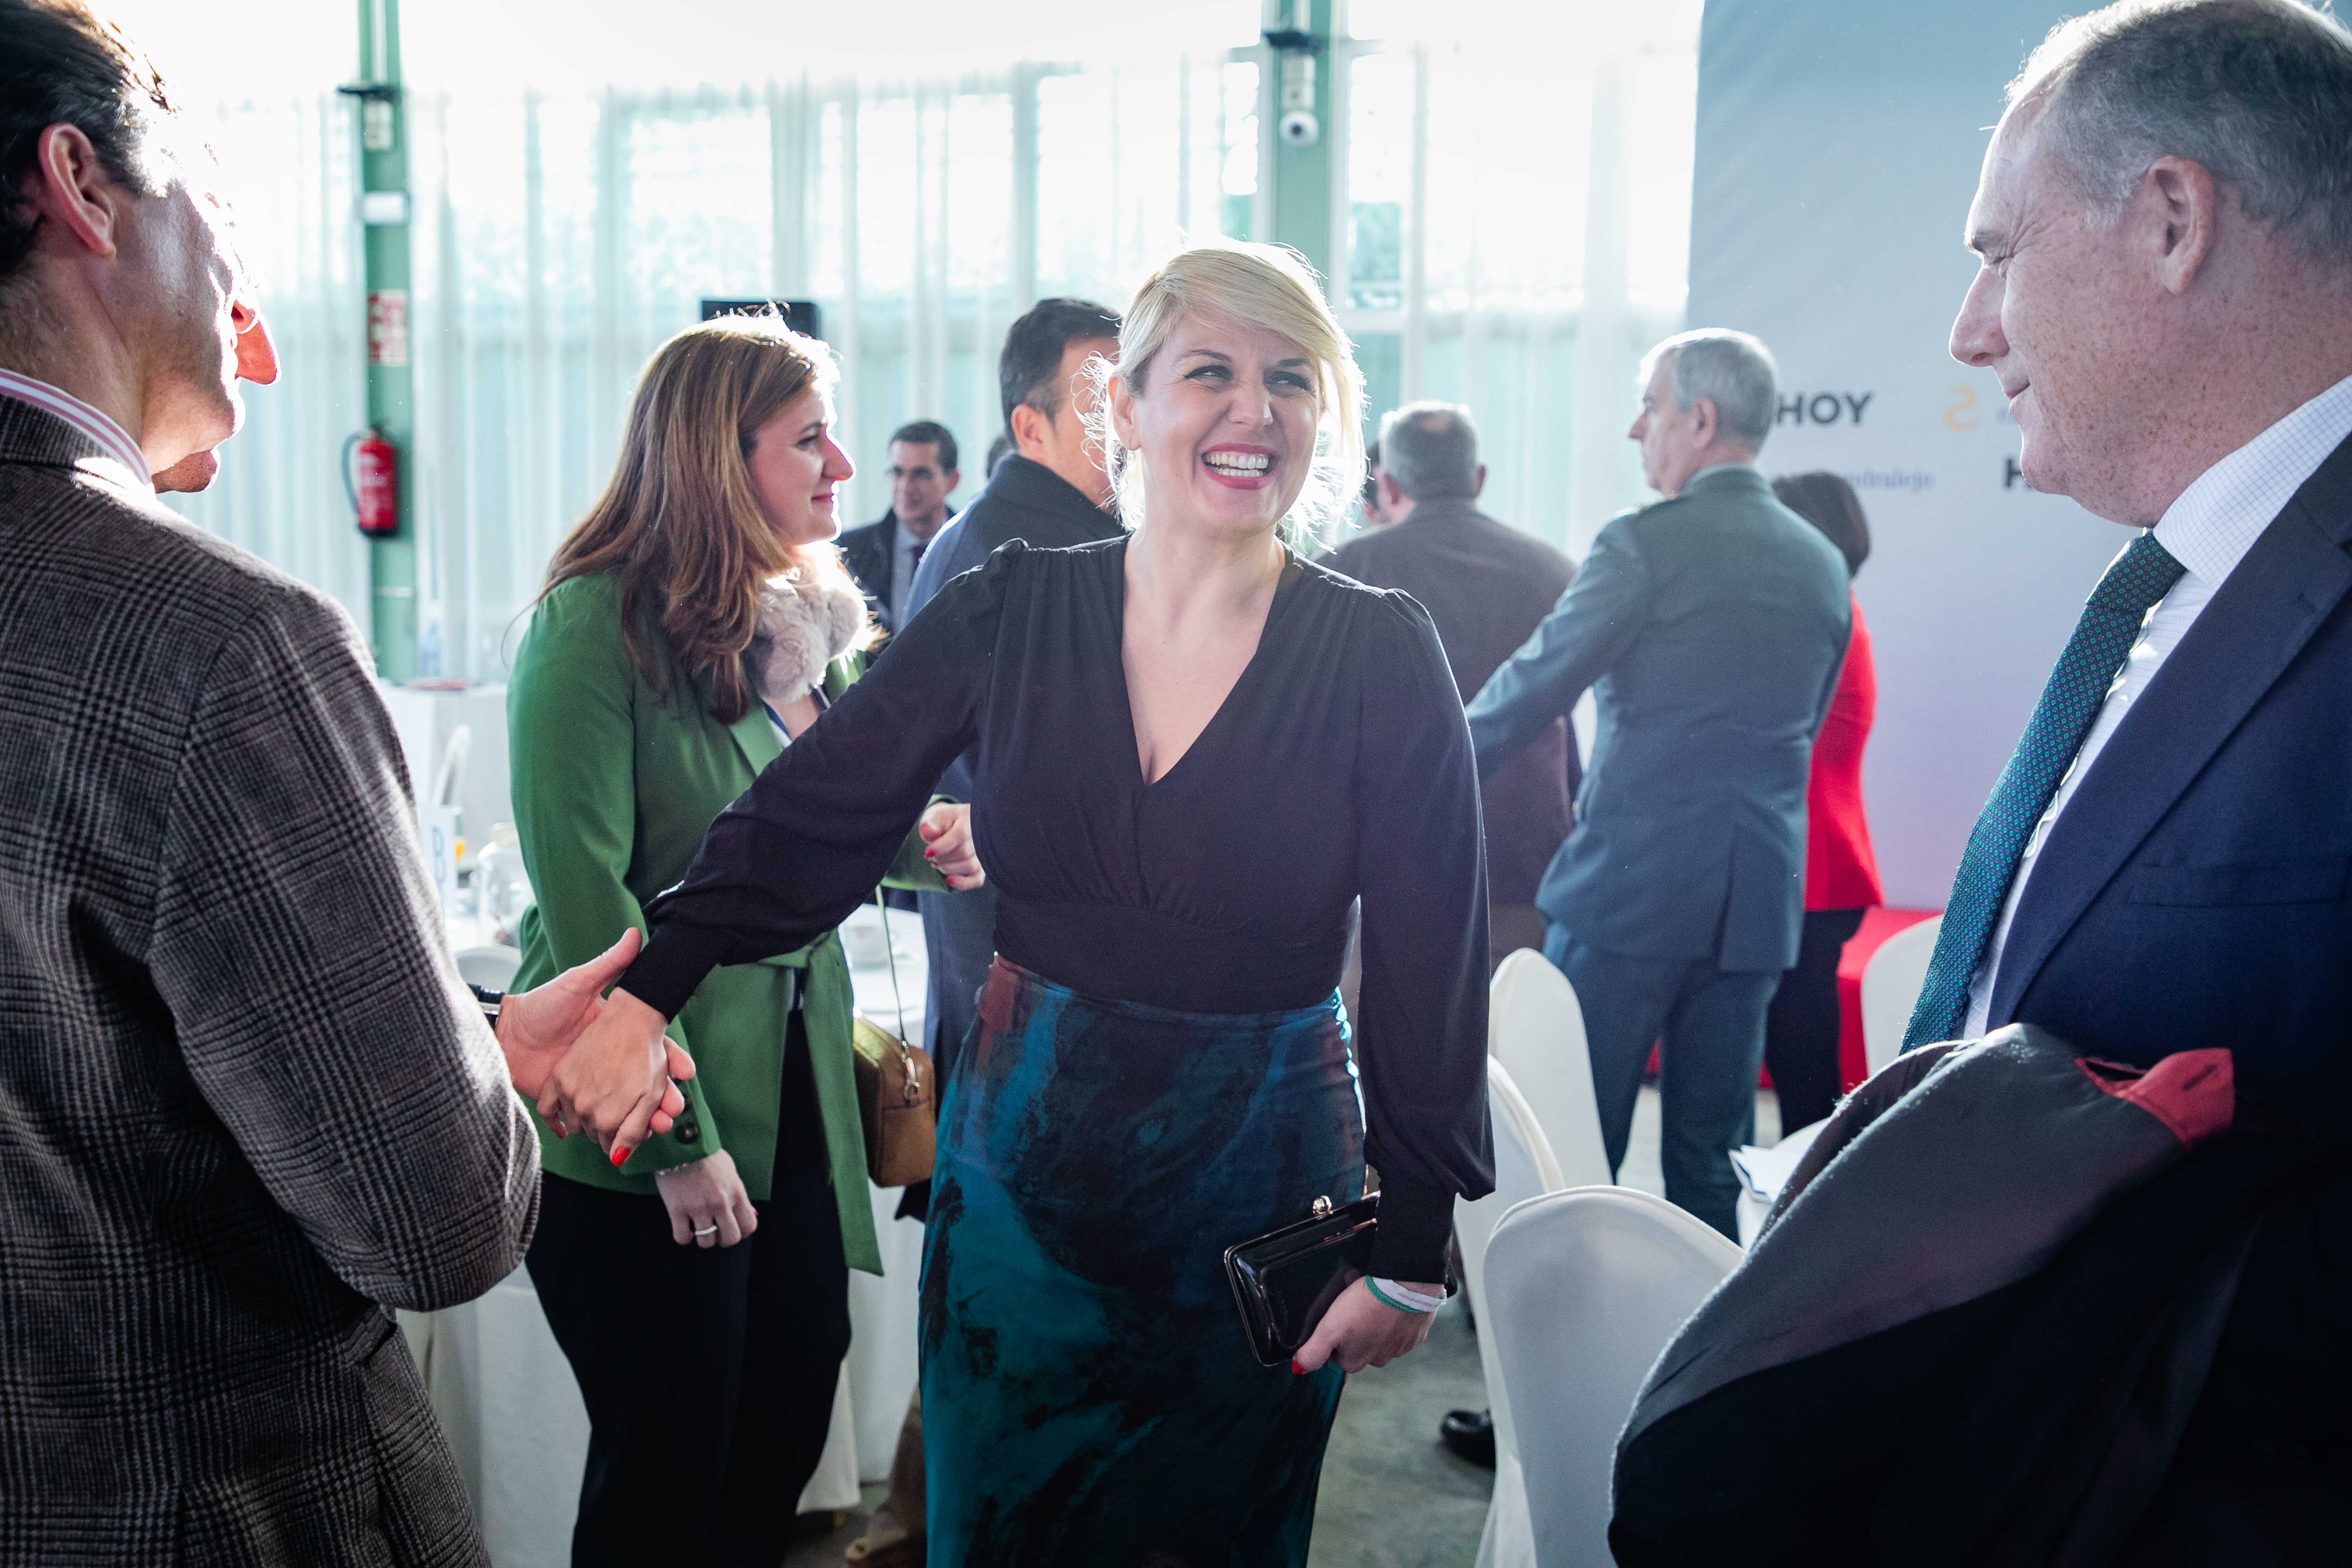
[{"x": 694, "y": 621}]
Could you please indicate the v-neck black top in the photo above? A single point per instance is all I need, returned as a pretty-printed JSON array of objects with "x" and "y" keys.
[{"x": 1338, "y": 767}]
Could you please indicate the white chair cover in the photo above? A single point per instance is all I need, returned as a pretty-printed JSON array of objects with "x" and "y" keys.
[
  {"x": 1523, "y": 1168},
  {"x": 1890, "y": 989},
  {"x": 1583, "y": 1288},
  {"x": 1535, "y": 1028}
]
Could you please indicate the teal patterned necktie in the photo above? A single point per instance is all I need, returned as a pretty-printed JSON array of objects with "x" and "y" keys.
[{"x": 2141, "y": 575}]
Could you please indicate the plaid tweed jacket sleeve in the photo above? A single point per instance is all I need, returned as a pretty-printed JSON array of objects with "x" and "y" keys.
[{"x": 298, "y": 944}]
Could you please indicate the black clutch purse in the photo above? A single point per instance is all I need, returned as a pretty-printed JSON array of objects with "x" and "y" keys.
[{"x": 1284, "y": 1281}]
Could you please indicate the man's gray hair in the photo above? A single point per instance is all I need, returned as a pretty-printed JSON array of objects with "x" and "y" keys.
[
  {"x": 2258, "y": 91},
  {"x": 1431, "y": 449},
  {"x": 1734, "y": 371}
]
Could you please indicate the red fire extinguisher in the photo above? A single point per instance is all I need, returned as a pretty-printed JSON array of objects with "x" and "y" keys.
[{"x": 373, "y": 483}]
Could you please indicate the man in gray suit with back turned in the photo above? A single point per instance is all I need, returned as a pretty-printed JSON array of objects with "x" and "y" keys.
[
  {"x": 245, "y": 1102},
  {"x": 1710, "y": 627}
]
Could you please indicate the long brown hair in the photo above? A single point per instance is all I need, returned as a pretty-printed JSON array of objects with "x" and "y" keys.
[{"x": 679, "y": 524}]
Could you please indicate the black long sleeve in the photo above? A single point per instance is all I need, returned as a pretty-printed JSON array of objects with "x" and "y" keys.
[{"x": 1421, "y": 870}]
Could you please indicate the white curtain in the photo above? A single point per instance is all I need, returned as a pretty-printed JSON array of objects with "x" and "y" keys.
[
  {"x": 293, "y": 171},
  {"x": 557, "y": 238},
  {"x": 1511, "y": 233}
]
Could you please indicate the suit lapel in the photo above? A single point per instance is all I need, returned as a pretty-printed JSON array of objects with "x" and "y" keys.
[
  {"x": 2282, "y": 591},
  {"x": 756, "y": 738}
]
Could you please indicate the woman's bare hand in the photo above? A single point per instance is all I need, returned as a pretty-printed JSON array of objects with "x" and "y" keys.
[
  {"x": 948, "y": 844},
  {"x": 1359, "y": 1331},
  {"x": 615, "y": 1083},
  {"x": 708, "y": 1205}
]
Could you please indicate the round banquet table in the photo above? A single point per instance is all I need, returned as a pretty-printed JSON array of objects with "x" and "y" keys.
[{"x": 505, "y": 1395}]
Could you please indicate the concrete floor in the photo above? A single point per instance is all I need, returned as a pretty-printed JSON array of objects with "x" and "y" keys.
[{"x": 1391, "y": 1496}]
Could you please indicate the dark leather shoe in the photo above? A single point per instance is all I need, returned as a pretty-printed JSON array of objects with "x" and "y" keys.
[{"x": 1471, "y": 1435}]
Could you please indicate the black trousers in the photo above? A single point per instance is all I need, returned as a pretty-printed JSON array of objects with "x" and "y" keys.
[
  {"x": 708, "y": 1374},
  {"x": 1801, "y": 1029}
]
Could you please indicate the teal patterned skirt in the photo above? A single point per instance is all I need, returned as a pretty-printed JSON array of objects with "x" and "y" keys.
[{"x": 1089, "y": 1397}]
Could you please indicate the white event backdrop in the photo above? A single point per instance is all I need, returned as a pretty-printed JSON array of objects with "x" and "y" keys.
[{"x": 1838, "y": 144}]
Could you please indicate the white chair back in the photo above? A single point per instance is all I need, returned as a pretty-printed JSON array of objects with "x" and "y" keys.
[
  {"x": 1583, "y": 1288},
  {"x": 1890, "y": 989},
  {"x": 1535, "y": 1028},
  {"x": 1523, "y": 1168}
]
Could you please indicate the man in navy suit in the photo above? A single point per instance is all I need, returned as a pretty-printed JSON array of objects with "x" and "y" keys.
[
  {"x": 2164, "y": 227},
  {"x": 1050, "y": 493}
]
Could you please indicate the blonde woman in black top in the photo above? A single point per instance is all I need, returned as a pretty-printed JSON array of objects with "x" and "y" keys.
[{"x": 1196, "y": 753}]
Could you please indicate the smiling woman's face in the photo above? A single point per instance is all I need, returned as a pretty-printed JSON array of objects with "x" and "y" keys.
[
  {"x": 796, "y": 469},
  {"x": 1225, "y": 424}
]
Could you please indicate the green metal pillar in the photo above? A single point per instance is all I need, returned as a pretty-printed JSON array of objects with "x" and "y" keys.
[
  {"x": 1305, "y": 181},
  {"x": 384, "y": 213}
]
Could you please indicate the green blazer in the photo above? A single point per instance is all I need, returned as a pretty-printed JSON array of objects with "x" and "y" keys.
[{"x": 614, "y": 788}]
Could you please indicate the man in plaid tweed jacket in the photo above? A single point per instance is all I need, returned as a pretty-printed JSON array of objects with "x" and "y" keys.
[{"x": 246, "y": 1103}]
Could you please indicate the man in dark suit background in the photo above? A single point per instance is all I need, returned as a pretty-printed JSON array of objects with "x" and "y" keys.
[
  {"x": 245, "y": 1102},
  {"x": 1710, "y": 627},
  {"x": 883, "y": 556},
  {"x": 1051, "y": 492},
  {"x": 1487, "y": 585},
  {"x": 2164, "y": 227}
]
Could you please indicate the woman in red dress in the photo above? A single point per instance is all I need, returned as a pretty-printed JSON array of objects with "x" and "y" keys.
[{"x": 1801, "y": 1032}]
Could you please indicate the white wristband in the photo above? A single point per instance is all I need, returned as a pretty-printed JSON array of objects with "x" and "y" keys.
[{"x": 1403, "y": 1298}]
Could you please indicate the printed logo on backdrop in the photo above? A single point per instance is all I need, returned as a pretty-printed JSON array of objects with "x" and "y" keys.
[
  {"x": 1822, "y": 407},
  {"x": 1964, "y": 415},
  {"x": 1849, "y": 410}
]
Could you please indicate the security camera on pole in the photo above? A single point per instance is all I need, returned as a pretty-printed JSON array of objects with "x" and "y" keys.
[{"x": 1296, "y": 33}]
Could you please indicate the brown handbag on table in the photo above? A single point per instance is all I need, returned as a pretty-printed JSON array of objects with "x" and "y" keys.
[{"x": 897, "y": 1093}]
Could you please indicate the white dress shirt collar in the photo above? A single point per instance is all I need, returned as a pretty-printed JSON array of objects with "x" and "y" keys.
[
  {"x": 2211, "y": 525},
  {"x": 92, "y": 422}
]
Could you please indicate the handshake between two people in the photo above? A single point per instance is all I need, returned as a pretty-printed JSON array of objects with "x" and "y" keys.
[{"x": 601, "y": 1064}]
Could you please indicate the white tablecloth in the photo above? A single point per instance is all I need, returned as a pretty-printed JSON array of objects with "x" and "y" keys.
[{"x": 506, "y": 1396}]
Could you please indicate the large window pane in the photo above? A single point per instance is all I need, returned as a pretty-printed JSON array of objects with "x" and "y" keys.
[
  {"x": 697, "y": 206},
  {"x": 1379, "y": 178},
  {"x": 1661, "y": 103},
  {"x": 1237, "y": 162},
  {"x": 978, "y": 193}
]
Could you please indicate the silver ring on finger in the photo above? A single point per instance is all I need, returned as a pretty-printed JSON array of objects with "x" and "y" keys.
[{"x": 711, "y": 1229}]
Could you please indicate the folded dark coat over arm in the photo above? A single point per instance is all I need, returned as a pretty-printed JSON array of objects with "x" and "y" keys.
[{"x": 1976, "y": 1334}]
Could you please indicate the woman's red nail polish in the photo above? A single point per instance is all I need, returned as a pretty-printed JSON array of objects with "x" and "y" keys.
[
  {"x": 620, "y": 1156},
  {"x": 1297, "y": 1370}
]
